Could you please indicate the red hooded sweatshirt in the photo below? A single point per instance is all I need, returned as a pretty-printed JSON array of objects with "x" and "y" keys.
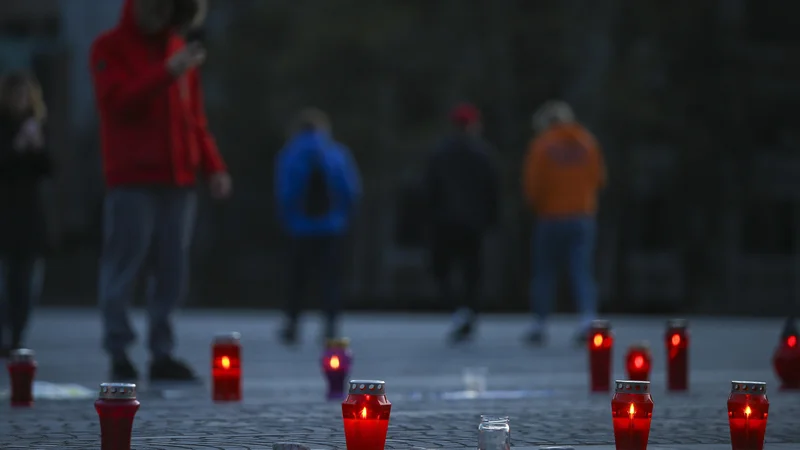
[{"x": 153, "y": 126}]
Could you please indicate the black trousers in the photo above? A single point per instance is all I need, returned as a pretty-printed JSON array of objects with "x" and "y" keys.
[
  {"x": 20, "y": 279},
  {"x": 315, "y": 260},
  {"x": 457, "y": 249}
]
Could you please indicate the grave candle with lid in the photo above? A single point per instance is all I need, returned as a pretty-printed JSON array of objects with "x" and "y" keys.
[
  {"x": 226, "y": 367},
  {"x": 677, "y": 343},
  {"x": 116, "y": 406},
  {"x": 748, "y": 408},
  {"x": 638, "y": 362},
  {"x": 632, "y": 412},
  {"x": 786, "y": 359},
  {"x": 601, "y": 342},
  {"x": 22, "y": 370},
  {"x": 336, "y": 361},
  {"x": 365, "y": 413}
]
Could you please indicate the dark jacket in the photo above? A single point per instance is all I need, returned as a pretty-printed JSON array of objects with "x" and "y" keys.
[
  {"x": 292, "y": 178},
  {"x": 22, "y": 220},
  {"x": 461, "y": 185},
  {"x": 153, "y": 126}
]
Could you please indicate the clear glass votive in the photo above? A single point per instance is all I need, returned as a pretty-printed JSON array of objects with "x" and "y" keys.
[{"x": 494, "y": 433}]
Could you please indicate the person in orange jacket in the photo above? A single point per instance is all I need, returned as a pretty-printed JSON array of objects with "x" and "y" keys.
[{"x": 562, "y": 174}]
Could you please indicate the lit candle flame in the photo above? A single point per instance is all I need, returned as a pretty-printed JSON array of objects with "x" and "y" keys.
[
  {"x": 364, "y": 413},
  {"x": 334, "y": 362},
  {"x": 598, "y": 340},
  {"x": 632, "y": 411},
  {"x": 676, "y": 339},
  {"x": 638, "y": 361},
  {"x": 791, "y": 341},
  {"x": 747, "y": 411},
  {"x": 226, "y": 362}
]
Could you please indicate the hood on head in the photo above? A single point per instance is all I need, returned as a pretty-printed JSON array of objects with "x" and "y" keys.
[{"x": 188, "y": 14}]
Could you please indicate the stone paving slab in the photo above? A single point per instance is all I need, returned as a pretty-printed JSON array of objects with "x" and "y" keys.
[{"x": 284, "y": 390}]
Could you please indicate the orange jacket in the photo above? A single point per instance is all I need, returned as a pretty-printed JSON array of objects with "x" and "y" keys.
[{"x": 563, "y": 171}]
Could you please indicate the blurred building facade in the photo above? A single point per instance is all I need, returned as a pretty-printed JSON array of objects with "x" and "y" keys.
[{"x": 694, "y": 107}]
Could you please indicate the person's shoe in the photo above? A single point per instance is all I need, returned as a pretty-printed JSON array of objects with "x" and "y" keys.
[
  {"x": 461, "y": 333},
  {"x": 122, "y": 370},
  {"x": 170, "y": 369},
  {"x": 535, "y": 338},
  {"x": 288, "y": 335}
]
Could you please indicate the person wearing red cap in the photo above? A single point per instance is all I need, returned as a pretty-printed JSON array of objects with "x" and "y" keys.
[{"x": 461, "y": 189}]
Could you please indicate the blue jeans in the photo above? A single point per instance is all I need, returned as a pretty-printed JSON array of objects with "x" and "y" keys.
[
  {"x": 556, "y": 241},
  {"x": 144, "y": 228}
]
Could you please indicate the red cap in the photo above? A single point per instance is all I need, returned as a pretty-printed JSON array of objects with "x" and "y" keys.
[{"x": 465, "y": 114}]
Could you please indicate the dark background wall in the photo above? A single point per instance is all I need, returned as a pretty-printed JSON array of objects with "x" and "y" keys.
[{"x": 694, "y": 102}]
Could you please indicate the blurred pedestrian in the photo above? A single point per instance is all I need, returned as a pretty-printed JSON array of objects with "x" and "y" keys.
[
  {"x": 154, "y": 138},
  {"x": 317, "y": 188},
  {"x": 562, "y": 174},
  {"x": 461, "y": 185},
  {"x": 24, "y": 163}
]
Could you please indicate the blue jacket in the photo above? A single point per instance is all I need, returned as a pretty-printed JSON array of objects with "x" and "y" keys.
[{"x": 292, "y": 172}]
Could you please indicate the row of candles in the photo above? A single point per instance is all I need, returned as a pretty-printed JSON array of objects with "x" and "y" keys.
[{"x": 631, "y": 405}]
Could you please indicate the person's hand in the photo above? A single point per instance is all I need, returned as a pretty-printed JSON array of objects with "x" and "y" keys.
[
  {"x": 189, "y": 57},
  {"x": 221, "y": 185},
  {"x": 30, "y": 136}
]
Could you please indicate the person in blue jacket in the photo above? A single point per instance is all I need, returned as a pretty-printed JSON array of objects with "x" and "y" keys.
[{"x": 317, "y": 188}]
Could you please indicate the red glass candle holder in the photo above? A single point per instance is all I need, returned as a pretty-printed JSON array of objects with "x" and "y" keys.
[
  {"x": 786, "y": 359},
  {"x": 632, "y": 412},
  {"x": 676, "y": 340},
  {"x": 22, "y": 370},
  {"x": 638, "y": 362},
  {"x": 116, "y": 407},
  {"x": 226, "y": 367},
  {"x": 365, "y": 413},
  {"x": 601, "y": 343},
  {"x": 748, "y": 408},
  {"x": 336, "y": 361}
]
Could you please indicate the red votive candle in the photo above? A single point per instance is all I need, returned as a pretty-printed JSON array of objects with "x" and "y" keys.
[
  {"x": 748, "y": 408},
  {"x": 226, "y": 367},
  {"x": 116, "y": 407},
  {"x": 365, "y": 413},
  {"x": 600, "y": 344},
  {"x": 638, "y": 362},
  {"x": 22, "y": 370},
  {"x": 632, "y": 412},
  {"x": 786, "y": 359},
  {"x": 676, "y": 340}
]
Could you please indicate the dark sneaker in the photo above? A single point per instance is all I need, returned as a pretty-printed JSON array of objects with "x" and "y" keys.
[
  {"x": 288, "y": 335},
  {"x": 461, "y": 333},
  {"x": 535, "y": 338},
  {"x": 170, "y": 369},
  {"x": 122, "y": 370}
]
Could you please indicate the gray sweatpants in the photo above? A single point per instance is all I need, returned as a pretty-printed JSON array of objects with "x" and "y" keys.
[{"x": 144, "y": 228}]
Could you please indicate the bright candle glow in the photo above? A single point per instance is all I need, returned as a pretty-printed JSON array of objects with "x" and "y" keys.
[
  {"x": 638, "y": 362},
  {"x": 791, "y": 341},
  {"x": 364, "y": 413},
  {"x": 226, "y": 362},
  {"x": 676, "y": 339},
  {"x": 632, "y": 411},
  {"x": 334, "y": 362},
  {"x": 747, "y": 411},
  {"x": 598, "y": 340}
]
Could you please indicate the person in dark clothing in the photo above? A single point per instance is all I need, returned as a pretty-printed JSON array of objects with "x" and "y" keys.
[
  {"x": 317, "y": 188},
  {"x": 24, "y": 162},
  {"x": 461, "y": 187}
]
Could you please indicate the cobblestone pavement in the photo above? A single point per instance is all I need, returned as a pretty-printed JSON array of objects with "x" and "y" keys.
[{"x": 544, "y": 391}]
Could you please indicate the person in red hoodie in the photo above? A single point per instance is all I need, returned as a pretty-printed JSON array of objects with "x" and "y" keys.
[{"x": 154, "y": 137}]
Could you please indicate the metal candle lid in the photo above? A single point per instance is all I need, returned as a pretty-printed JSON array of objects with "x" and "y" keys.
[
  {"x": 642, "y": 346},
  {"x": 22, "y": 355},
  {"x": 342, "y": 343},
  {"x": 375, "y": 387},
  {"x": 118, "y": 391},
  {"x": 677, "y": 324},
  {"x": 631, "y": 387},
  {"x": 749, "y": 387},
  {"x": 598, "y": 325},
  {"x": 231, "y": 337}
]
